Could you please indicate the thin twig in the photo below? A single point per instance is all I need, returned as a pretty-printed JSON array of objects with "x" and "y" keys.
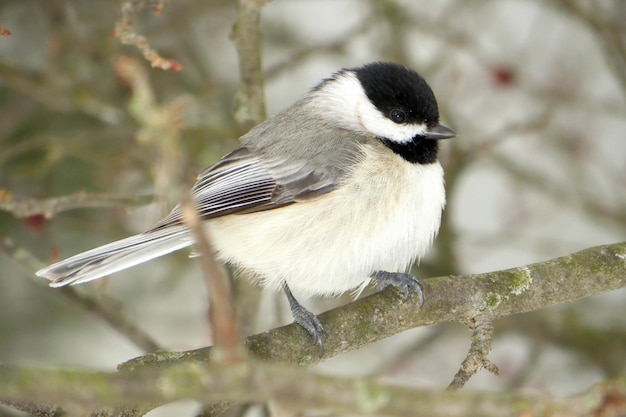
[
  {"x": 476, "y": 358},
  {"x": 126, "y": 33}
]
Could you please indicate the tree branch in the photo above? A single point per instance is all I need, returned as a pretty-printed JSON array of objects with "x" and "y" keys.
[{"x": 466, "y": 299}]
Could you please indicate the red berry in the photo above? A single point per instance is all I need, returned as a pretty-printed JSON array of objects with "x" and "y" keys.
[
  {"x": 36, "y": 223},
  {"x": 503, "y": 75}
]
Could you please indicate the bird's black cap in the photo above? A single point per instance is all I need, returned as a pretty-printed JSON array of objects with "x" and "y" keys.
[{"x": 391, "y": 86}]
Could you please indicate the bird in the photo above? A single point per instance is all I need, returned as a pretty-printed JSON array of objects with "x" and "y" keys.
[{"x": 340, "y": 190}]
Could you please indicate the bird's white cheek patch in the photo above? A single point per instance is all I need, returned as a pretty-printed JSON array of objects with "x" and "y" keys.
[{"x": 377, "y": 124}]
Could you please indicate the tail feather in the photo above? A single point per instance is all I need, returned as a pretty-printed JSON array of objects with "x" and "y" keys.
[{"x": 114, "y": 257}]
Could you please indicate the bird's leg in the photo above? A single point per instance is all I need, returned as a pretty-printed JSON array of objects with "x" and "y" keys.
[
  {"x": 305, "y": 318},
  {"x": 403, "y": 282}
]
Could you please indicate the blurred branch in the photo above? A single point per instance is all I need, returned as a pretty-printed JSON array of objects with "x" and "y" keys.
[
  {"x": 49, "y": 207},
  {"x": 255, "y": 381},
  {"x": 222, "y": 317},
  {"x": 246, "y": 35}
]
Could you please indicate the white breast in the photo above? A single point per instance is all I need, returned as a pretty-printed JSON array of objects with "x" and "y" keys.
[{"x": 381, "y": 219}]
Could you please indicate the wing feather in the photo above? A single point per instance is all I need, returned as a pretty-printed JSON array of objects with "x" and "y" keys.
[{"x": 245, "y": 181}]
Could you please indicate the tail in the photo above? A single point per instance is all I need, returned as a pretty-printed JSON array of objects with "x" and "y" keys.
[{"x": 113, "y": 257}]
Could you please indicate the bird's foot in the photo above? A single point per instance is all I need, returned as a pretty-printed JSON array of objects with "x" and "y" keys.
[
  {"x": 306, "y": 319},
  {"x": 403, "y": 282}
]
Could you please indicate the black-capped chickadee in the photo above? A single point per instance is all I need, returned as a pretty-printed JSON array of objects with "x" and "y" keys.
[{"x": 342, "y": 188}]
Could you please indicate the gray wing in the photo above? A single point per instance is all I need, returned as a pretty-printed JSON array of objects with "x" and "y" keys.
[{"x": 246, "y": 181}]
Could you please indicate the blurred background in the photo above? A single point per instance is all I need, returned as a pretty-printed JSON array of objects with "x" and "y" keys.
[{"x": 536, "y": 91}]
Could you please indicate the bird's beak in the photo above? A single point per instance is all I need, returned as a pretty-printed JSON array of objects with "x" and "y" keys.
[{"x": 440, "y": 132}]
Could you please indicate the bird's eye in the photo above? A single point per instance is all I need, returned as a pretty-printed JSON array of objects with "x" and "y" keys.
[{"x": 397, "y": 116}]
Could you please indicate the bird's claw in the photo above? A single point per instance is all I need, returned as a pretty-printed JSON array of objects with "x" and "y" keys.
[
  {"x": 305, "y": 319},
  {"x": 311, "y": 323},
  {"x": 403, "y": 282}
]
